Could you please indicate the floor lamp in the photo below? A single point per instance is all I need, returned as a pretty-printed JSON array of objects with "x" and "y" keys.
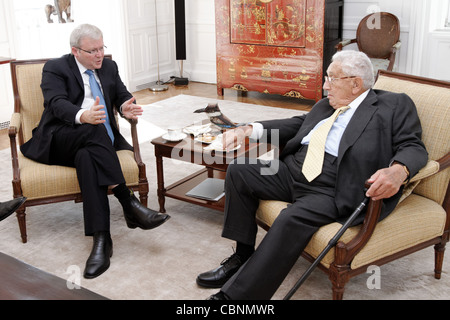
[{"x": 159, "y": 85}]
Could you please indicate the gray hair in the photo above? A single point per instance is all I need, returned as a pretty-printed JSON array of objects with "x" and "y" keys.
[
  {"x": 84, "y": 31},
  {"x": 356, "y": 63}
]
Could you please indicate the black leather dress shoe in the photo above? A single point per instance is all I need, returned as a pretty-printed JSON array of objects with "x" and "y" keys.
[
  {"x": 9, "y": 207},
  {"x": 137, "y": 215},
  {"x": 99, "y": 259},
  {"x": 219, "y": 296},
  {"x": 216, "y": 278}
]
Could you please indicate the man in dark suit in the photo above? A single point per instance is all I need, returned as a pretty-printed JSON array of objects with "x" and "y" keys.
[
  {"x": 377, "y": 139},
  {"x": 76, "y": 131}
]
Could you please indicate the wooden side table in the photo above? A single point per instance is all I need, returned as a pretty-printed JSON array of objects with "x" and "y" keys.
[{"x": 215, "y": 166}]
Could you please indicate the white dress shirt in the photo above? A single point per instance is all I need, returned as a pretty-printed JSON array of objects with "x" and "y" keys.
[
  {"x": 336, "y": 132},
  {"x": 89, "y": 99}
]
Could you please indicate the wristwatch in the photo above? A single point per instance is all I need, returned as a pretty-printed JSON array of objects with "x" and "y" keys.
[{"x": 405, "y": 168}]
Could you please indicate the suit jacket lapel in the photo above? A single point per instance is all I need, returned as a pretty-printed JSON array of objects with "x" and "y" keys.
[
  {"x": 358, "y": 123},
  {"x": 104, "y": 87},
  {"x": 76, "y": 71},
  {"x": 316, "y": 115}
]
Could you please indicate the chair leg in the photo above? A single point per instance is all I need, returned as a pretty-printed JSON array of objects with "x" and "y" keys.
[
  {"x": 143, "y": 197},
  {"x": 339, "y": 277},
  {"x": 439, "y": 250},
  {"x": 21, "y": 218}
]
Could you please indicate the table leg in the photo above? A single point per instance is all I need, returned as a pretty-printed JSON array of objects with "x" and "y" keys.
[{"x": 160, "y": 178}]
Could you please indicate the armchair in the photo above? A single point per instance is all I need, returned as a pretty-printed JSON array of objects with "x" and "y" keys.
[
  {"x": 377, "y": 36},
  {"x": 421, "y": 219},
  {"x": 40, "y": 183}
]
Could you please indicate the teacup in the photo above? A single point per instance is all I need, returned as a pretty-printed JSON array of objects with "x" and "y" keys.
[{"x": 173, "y": 132}]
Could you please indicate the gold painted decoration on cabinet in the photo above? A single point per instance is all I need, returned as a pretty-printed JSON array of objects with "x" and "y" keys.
[{"x": 271, "y": 46}]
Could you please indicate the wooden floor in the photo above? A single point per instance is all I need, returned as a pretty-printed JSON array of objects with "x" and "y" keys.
[{"x": 147, "y": 96}]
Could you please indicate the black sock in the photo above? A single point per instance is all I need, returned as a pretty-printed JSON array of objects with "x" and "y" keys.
[
  {"x": 122, "y": 192},
  {"x": 244, "y": 251}
]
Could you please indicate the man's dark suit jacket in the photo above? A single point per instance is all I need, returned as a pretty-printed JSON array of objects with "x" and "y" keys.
[
  {"x": 384, "y": 128},
  {"x": 63, "y": 91}
]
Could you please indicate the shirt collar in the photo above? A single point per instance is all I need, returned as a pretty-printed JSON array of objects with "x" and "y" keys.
[
  {"x": 355, "y": 103},
  {"x": 80, "y": 66}
]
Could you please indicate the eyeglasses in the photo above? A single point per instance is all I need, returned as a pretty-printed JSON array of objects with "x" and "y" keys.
[
  {"x": 95, "y": 51},
  {"x": 332, "y": 80}
]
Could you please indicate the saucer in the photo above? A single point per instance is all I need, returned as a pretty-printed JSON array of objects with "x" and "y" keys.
[{"x": 179, "y": 138}]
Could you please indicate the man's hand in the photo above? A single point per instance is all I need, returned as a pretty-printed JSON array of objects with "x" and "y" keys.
[
  {"x": 96, "y": 115},
  {"x": 235, "y": 137},
  {"x": 131, "y": 110},
  {"x": 386, "y": 182}
]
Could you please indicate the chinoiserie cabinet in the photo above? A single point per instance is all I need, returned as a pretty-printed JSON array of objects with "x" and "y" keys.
[{"x": 276, "y": 46}]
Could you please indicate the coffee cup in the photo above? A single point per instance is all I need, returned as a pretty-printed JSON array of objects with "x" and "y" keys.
[{"x": 173, "y": 132}]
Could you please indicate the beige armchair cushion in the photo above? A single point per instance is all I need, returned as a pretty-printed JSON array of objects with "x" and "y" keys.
[
  {"x": 32, "y": 101},
  {"x": 432, "y": 103},
  {"x": 414, "y": 221},
  {"x": 61, "y": 180}
]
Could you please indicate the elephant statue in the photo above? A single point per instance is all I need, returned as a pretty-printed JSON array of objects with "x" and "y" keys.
[{"x": 58, "y": 9}]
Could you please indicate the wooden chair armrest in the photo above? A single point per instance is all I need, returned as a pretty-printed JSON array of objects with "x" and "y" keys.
[
  {"x": 137, "y": 150},
  {"x": 15, "y": 121},
  {"x": 345, "y": 252},
  {"x": 135, "y": 140},
  {"x": 344, "y": 43},
  {"x": 14, "y": 128},
  {"x": 444, "y": 162},
  {"x": 396, "y": 46}
]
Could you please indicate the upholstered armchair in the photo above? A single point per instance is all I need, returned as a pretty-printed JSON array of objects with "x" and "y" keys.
[
  {"x": 377, "y": 36},
  {"x": 40, "y": 183},
  {"x": 420, "y": 220}
]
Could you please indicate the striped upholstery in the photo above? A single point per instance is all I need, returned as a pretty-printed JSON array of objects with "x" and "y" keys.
[{"x": 31, "y": 99}]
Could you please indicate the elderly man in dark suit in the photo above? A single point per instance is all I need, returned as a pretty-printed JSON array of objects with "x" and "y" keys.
[
  {"x": 378, "y": 138},
  {"x": 78, "y": 129}
]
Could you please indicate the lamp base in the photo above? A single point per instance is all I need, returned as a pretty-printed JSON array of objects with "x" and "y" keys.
[{"x": 158, "y": 86}]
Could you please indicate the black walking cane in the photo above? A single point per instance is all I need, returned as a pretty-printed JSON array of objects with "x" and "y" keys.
[{"x": 330, "y": 245}]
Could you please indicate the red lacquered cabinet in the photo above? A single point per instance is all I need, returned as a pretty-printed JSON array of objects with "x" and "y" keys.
[{"x": 276, "y": 46}]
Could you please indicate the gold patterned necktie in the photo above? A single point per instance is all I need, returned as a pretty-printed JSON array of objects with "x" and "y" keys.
[{"x": 312, "y": 166}]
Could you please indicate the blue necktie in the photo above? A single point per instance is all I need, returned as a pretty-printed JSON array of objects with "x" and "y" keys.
[{"x": 97, "y": 92}]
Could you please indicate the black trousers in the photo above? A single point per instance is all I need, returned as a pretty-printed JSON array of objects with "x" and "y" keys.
[
  {"x": 89, "y": 150},
  {"x": 263, "y": 273}
]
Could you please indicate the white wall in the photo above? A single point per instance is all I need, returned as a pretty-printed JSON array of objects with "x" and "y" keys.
[
  {"x": 200, "y": 63},
  {"x": 142, "y": 45}
]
